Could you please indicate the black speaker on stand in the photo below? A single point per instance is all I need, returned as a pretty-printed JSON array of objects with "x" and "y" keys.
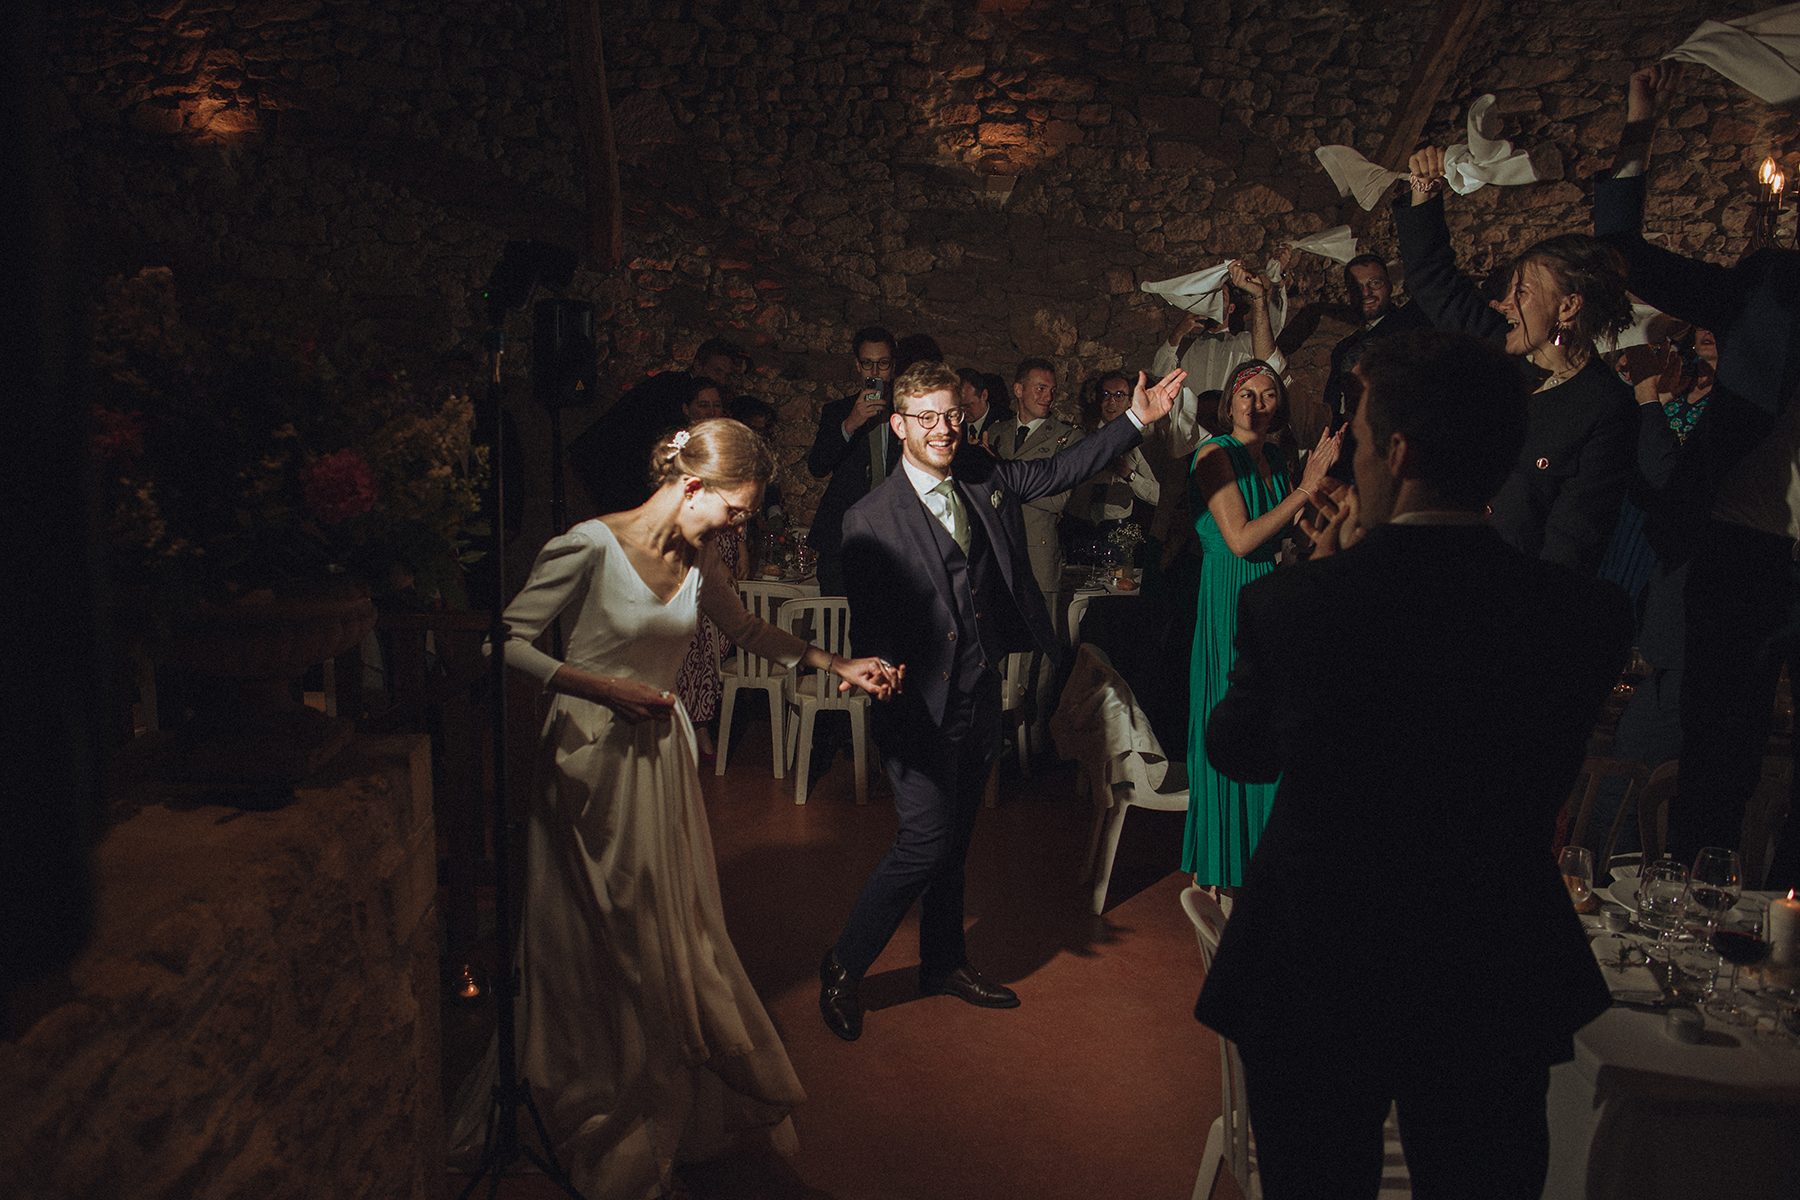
[{"x": 563, "y": 374}]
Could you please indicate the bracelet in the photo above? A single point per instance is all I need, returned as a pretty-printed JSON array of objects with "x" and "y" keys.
[
  {"x": 1307, "y": 492},
  {"x": 1428, "y": 186}
]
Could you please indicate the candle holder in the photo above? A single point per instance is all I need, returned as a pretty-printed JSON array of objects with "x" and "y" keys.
[{"x": 1773, "y": 193}]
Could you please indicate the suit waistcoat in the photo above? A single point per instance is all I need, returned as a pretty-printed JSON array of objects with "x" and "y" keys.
[{"x": 988, "y": 625}]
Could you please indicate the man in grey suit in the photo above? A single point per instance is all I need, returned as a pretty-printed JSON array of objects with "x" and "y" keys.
[
  {"x": 1425, "y": 698},
  {"x": 1033, "y": 433}
]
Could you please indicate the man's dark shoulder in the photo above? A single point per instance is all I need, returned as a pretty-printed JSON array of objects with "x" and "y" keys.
[
  {"x": 892, "y": 490},
  {"x": 1404, "y": 317}
]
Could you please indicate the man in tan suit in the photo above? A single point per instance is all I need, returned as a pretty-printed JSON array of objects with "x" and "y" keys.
[{"x": 1034, "y": 433}]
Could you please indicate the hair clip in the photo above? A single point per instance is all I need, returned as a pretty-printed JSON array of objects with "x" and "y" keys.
[{"x": 680, "y": 439}]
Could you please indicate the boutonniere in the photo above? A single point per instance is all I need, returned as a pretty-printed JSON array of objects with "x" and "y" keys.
[
  {"x": 995, "y": 498},
  {"x": 1063, "y": 440}
]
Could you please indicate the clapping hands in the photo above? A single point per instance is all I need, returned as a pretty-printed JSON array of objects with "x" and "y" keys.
[{"x": 1336, "y": 526}]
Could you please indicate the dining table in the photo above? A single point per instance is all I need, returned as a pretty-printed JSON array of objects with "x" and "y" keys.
[
  {"x": 1083, "y": 587},
  {"x": 1640, "y": 1115}
]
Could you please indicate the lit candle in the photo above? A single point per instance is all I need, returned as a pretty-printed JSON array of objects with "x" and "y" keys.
[
  {"x": 1783, "y": 932},
  {"x": 1764, "y": 177}
]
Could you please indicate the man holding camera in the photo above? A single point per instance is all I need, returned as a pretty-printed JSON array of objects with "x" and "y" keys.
[{"x": 855, "y": 447}]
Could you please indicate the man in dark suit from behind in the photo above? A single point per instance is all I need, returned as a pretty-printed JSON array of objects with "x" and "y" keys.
[
  {"x": 1425, "y": 696},
  {"x": 941, "y": 584},
  {"x": 854, "y": 447}
]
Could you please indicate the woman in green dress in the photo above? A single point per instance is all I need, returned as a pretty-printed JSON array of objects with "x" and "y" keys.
[{"x": 1243, "y": 490}]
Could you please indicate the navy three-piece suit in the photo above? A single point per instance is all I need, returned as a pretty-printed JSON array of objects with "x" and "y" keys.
[{"x": 950, "y": 618}]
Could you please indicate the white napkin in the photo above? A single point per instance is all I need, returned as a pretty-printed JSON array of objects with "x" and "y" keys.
[
  {"x": 1337, "y": 243},
  {"x": 1203, "y": 292},
  {"x": 1483, "y": 159},
  {"x": 1635, "y": 982},
  {"x": 1760, "y": 53}
]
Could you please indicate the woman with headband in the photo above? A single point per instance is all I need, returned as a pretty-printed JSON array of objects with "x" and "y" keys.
[
  {"x": 644, "y": 1042},
  {"x": 1243, "y": 490}
]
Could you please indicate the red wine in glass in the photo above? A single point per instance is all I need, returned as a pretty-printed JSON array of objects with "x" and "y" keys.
[
  {"x": 1739, "y": 947},
  {"x": 1715, "y": 901}
]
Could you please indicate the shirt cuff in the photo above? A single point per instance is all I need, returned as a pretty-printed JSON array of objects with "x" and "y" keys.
[{"x": 1134, "y": 420}]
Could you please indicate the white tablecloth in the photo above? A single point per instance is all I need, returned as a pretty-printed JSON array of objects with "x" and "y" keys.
[
  {"x": 1078, "y": 603},
  {"x": 1640, "y": 1116}
]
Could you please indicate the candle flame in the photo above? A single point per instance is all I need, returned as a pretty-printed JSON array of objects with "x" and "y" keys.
[
  {"x": 1790, "y": 893},
  {"x": 1768, "y": 169},
  {"x": 1777, "y": 181}
]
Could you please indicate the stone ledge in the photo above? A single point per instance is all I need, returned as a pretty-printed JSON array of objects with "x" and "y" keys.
[{"x": 256, "y": 1015}]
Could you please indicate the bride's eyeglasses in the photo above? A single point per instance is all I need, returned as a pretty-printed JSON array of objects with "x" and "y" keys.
[{"x": 928, "y": 418}]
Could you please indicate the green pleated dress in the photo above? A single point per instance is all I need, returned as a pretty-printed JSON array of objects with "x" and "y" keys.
[{"x": 1225, "y": 817}]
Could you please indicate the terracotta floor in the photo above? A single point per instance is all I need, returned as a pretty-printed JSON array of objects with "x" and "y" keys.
[{"x": 1100, "y": 1085}]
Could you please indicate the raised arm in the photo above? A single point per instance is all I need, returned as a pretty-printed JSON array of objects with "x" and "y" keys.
[
  {"x": 1262, "y": 332},
  {"x": 1444, "y": 293}
]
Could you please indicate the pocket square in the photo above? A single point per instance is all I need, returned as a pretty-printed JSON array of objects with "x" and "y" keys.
[{"x": 995, "y": 498}]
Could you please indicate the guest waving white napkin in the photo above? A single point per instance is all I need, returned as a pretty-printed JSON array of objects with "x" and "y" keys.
[
  {"x": 1760, "y": 53},
  {"x": 1337, "y": 243},
  {"x": 1470, "y": 165}
]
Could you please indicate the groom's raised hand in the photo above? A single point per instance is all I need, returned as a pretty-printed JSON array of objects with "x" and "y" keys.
[{"x": 1153, "y": 404}]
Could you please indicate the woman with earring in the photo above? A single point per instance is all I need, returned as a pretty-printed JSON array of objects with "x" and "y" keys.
[
  {"x": 642, "y": 1038},
  {"x": 1243, "y": 490},
  {"x": 1561, "y": 297}
]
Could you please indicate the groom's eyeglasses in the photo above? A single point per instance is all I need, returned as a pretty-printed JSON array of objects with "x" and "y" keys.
[{"x": 928, "y": 418}]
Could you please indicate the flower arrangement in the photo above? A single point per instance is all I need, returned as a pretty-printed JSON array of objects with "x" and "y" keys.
[
  {"x": 1127, "y": 537},
  {"x": 239, "y": 455}
]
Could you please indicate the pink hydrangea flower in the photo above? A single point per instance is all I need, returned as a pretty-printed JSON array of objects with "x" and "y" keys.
[{"x": 339, "y": 486}]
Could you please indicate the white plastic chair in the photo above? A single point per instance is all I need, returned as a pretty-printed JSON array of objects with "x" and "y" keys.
[
  {"x": 744, "y": 670},
  {"x": 1098, "y": 724},
  {"x": 1228, "y": 1142},
  {"x": 813, "y": 691},
  {"x": 1015, "y": 675}
]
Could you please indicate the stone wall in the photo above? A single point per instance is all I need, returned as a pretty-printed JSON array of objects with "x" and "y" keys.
[
  {"x": 256, "y": 1015},
  {"x": 794, "y": 169}
]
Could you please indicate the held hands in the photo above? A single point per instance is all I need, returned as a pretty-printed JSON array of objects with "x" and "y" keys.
[
  {"x": 873, "y": 675},
  {"x": 1154, "y": 404}
]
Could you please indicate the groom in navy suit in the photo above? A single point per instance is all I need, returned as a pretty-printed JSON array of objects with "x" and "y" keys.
[{"x": 939, "y": 582}]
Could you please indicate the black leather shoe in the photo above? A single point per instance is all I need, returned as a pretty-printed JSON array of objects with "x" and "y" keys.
[
  {"x": 838, "y": 1002},
  {"x": 967, "y": 985}
]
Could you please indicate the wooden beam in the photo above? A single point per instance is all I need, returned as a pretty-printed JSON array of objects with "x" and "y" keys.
[
  {"x": 599, "y": 150},
  {"x": 1430, "y": 75}
]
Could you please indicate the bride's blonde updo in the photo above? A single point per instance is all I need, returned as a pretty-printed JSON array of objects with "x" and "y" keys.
[{"x": 721, "y": 452}]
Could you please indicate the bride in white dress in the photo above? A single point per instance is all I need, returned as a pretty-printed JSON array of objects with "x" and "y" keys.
[{"x": 639, "y": 1032}]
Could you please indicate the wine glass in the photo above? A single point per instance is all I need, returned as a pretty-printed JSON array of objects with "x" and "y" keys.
[
  {"x": 1662, "y": 887},
  {"x": 1577, "y": 865},
  {"x": 1714, "y": 884},
  {"x": 1741, "y": 944}
]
